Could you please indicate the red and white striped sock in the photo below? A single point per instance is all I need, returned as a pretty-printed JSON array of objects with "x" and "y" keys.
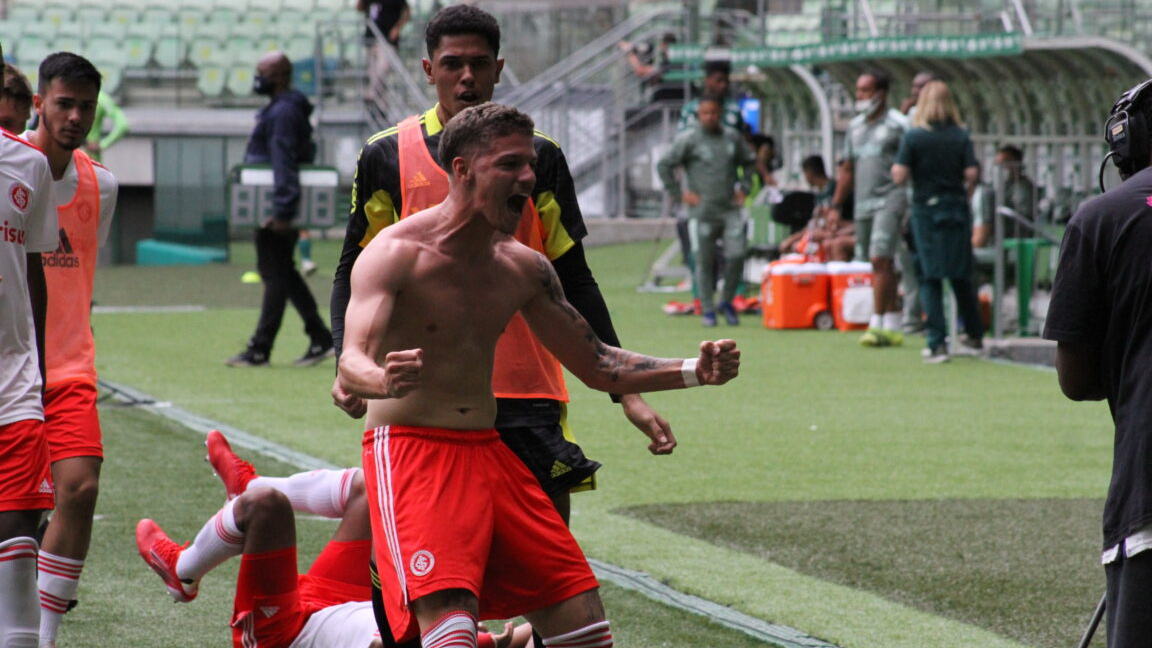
[
  {"x": 58, "y": 579},
  {"x": 218, "y": 540},
  {"x": 19, "y": 608},
  {"x": 597, "y": 635},
  {"x": 455, "y": 630}
]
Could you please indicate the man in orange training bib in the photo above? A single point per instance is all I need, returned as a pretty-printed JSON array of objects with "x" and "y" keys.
[{"x": 85, "y": 198}]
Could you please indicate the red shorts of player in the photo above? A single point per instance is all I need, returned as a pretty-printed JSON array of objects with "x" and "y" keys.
[
  {"x": 456, "y": 509},
  {"x": 25, "y": 476},
  {"x": 71, "y": 422},
  {"x": 273, "y": 603}
]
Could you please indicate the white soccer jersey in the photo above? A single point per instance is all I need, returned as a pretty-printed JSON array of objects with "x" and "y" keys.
[
  {"x": 351, "y": 625},
  {"x": 27, "y": 224}
]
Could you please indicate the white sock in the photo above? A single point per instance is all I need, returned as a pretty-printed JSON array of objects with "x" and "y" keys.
[
  {"x": 59, "y": 577},
  {"x": 317, "y": 492},
  {"x": 876, "y": 321},
  {"x": 597, "y": 635},
  {"x": 456, "y": 630},
  {"x": 19, "y": 605},
  {"x": 893, "y": 321},
  {"x": 218, "y": 540}
]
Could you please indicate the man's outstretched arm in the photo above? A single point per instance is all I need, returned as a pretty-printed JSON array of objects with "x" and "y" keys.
[{"x": 569, "y": 337}]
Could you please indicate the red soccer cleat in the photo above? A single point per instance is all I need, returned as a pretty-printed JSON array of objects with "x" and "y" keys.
[
  {"x": 161, "y": 554},
  {"x": 232, "y": 470}
]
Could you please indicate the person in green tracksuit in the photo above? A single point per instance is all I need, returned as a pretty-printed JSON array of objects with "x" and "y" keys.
[
  {"x": 714, "y": 158},
  {"x": 99, "y": 141}
]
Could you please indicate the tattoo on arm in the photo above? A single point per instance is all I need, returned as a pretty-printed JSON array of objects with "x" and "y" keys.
[{"x": 609, "y": 359}]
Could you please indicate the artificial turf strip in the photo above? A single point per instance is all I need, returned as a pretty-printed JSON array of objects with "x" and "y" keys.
[{"x": 1025, "y": 569}]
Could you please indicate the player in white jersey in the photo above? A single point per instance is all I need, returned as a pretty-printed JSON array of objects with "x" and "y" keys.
[
  {"x": 27, "y": 228},
  {"x": 329, "y": 606}
]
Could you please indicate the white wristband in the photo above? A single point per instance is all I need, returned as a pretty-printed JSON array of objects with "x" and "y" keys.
[{"x": 688, "y": 371}]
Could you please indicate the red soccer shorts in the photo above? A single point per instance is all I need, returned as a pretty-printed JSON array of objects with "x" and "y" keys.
[
  {"x": 273, "y": 603},
  {"x": 25, "y": 477},
  {"x": 71, "y": 422},
  {"x": 456, "y": 509}
]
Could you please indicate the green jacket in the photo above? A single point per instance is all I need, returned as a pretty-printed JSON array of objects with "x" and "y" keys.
[{"x": 712, "y": 164}]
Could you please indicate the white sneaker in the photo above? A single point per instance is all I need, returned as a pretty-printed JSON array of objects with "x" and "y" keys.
[{"x": 308, "y": 267}]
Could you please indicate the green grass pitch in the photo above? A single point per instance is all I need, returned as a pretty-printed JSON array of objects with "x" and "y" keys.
[{"x": 855, "y": 494}]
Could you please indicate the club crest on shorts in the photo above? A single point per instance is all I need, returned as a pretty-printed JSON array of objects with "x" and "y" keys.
[
  {"x": 422, "y": 562},
  {"x": 20, "y": 195}
]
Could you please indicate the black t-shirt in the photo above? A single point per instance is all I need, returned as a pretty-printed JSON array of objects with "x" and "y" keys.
[
  {"x": 385, "y": 13},
  {"x": 1102, "y": 296}
]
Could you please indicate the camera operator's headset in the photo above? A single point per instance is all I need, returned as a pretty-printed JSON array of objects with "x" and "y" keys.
[{"x": 1127, "y": 132}]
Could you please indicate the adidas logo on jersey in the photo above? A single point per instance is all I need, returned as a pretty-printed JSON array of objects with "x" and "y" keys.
[
  {"x": 45, "y": 487},
  {"x": 269, "y": 611},
  {"x": 418, "y": 180},
  {"x": 559, "y": 469}
]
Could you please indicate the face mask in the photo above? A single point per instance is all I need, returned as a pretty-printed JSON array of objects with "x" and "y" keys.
[
  {"x": 261, "y": 85},
  {"x": 867, "y": 106}
]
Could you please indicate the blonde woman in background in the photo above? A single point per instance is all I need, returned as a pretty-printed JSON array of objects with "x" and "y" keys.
[{"x": 937, "y": 154}]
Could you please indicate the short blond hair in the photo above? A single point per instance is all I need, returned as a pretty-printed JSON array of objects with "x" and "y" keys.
[{"x": 936, "y": 106}]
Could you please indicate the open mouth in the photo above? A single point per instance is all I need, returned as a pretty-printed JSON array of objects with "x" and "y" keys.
[
  {"x": 468, "y": 97},
  {"x": 516, "y": 203}
]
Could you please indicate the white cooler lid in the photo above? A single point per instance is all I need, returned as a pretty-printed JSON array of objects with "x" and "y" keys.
[
  {"x": 799, "y": 268},
  {"x": 849, "y": 267}
]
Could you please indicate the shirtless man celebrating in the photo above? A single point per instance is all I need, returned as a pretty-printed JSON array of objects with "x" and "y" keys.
[{"x": 430, "y": 296}]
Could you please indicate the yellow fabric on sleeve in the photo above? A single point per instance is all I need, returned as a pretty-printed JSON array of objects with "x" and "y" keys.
[
  {"x": 557, "y": 241},
  {"x": 380, "y": 213}
]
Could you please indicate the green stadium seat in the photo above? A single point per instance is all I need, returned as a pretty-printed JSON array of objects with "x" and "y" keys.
[
  {"x": 45, "y": 30},
  {"x": 207, "y": 50},
  {"x": 30, "y": 50},
  {"x": 241, "y": 49},
  {"x": 157, "y": 16},
  {"x": 291, "y": 21},
  {"x": 68, "y": 43},
  {"x": 300, "y": 46},
  {"x": 170, "y": 49},
  {"x": 256, "y": 21},
  {"x": 268, "y": 43},
  {"x": 110, "y": 77},
  {"x": 87, "y": 16},
  {"x": 104, "y": 50},
  {"x": 123, "y": 15},
  {"x": 56, "y": 15},
  {"x": 137, "y": 51},
  {"x": 223, "y": 18},
  {"x": 212, "y": 79},
  {"x": 190, "y": 19},
  {"x": 240, "y": 80},
  {"x": 32, "y": 73},
  {"x": 26, "y": 14},
  {"x": 109, "y": 29}
]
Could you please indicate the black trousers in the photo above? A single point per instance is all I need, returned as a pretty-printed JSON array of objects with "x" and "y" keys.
[
  {"x": 283, "y": 283},
  {"x": 1129, "y": 609}
]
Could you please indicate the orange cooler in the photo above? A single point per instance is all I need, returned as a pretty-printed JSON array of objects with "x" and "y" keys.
[
  {"x": 795, "y": 295},
  {"x": 851, "y": 294}
]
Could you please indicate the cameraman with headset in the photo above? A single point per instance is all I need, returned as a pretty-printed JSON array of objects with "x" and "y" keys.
[{"x": 1101, "y": 317}]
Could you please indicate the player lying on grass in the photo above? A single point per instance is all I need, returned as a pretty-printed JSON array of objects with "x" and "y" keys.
[
  {"x": 461, "y": 528},
  {"x": 275, "y": 607}
]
